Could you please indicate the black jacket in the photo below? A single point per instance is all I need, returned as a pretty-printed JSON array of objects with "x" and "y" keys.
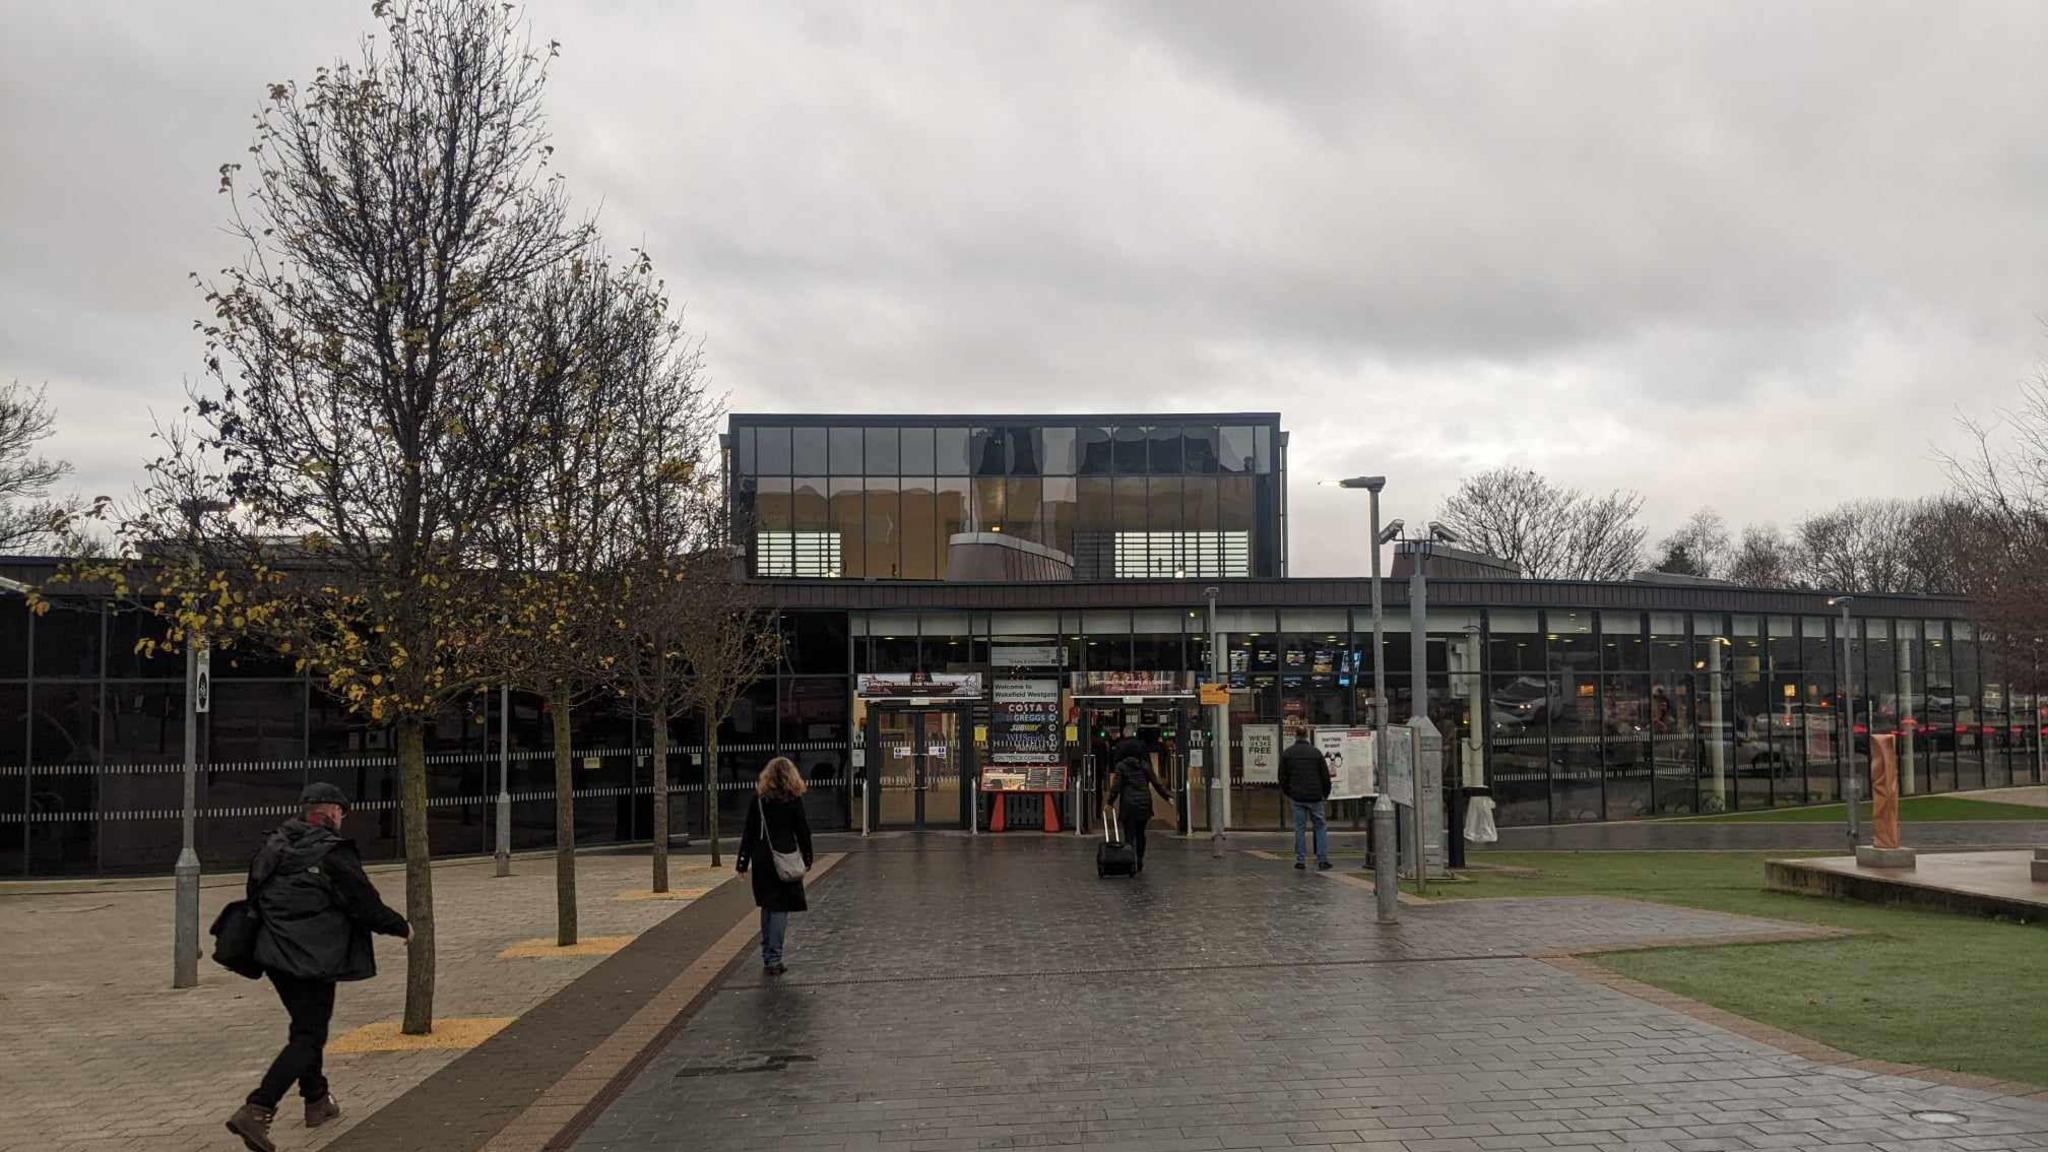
[
  {"x": 788, "y": 828},
  {"x": 1304, "y": 774},
  {"x": 316, "y": 905}
]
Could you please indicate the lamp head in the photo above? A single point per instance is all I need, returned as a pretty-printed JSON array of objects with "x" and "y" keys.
[
  {"x": 1835, "y": 601},
  {"x": 1369, "y": 483}
]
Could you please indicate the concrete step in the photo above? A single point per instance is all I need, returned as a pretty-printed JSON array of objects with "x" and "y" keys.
[{"x": 2040, "y": 869}]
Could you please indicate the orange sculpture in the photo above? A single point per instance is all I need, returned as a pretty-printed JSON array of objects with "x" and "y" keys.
[{"x": 1884, "y": 791}]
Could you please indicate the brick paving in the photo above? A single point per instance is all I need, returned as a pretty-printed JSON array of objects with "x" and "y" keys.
[
  {"x": 952, "y": 995},
  {"x": 98, "y": 1054}
]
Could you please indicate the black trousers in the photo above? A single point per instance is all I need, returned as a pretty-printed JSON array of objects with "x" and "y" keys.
[
  {"x": 311, "y": 1006},
  {"x": 1132, "y": 821}
]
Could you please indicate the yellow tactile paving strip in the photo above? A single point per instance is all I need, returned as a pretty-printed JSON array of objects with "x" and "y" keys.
[{"x": 545, "y": 947}]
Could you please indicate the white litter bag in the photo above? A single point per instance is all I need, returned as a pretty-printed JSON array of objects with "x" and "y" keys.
[{"x": 1479, "y": 820}]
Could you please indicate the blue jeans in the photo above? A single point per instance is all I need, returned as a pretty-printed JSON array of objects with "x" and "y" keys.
[
  {"x": 1303, "y": 814},
  {"x": 774, "y": 930}
]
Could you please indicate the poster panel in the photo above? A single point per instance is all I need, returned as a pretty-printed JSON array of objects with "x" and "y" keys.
[
  {"x": 1353, "y": 759},
  {"x": 1025, "y": 752},
  {"x": 1262, "y": 753},
  {"x": 920, "y": 686}
]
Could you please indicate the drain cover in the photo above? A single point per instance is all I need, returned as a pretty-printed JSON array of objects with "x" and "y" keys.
[{"x": 1940, "y": 1117}]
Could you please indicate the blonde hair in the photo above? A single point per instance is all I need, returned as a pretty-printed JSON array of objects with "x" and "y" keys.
[{"x": 780, "y": 779}]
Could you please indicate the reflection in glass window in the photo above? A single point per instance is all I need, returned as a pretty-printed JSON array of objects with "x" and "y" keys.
[
  {"x": 1021, "y": 509},
  {"x": 742, "y": 448},
  {"x": 807, "y": 451},
  {"x": 846, "y": 452},
  {"x": 952, "y": 514},
  {"x": 988, "y": 505},
  {"x": 1236, "y": 449},
  {"x": 1262, "y": 454},
  {"x": 1095, "y": 445},
  {"x": 915, "y": 451},
  {"x": 771, "y": 454},
  {"x": 1024, "y": 450},
  {"x": 884, "y": 531},
  {"x": 1166, "y": 454},
  {"x": 847, "y": 522},
  {"x": 952, "y": 452},
  {"x": 881, "y": 452},
  {"x": 1056, "y": 455},
  {"x": 1130, "y": 451},
  {"x": 920, "y": 529},
  {"x": 1198, "y": 443},
  {"x": 1057, "y": 511},
  {"x": 986, "y": 452}
]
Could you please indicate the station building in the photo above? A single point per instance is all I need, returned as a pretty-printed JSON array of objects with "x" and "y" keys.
[{"x": 969, "y": 604}]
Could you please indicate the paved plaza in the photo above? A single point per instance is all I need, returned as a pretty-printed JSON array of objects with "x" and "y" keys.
[
  {"x": 952, "y": 995},
  {"x": 98, "y": 1054}
]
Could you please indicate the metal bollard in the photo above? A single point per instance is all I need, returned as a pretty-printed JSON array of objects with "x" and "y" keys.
[{"x": 1386, "y": 876}]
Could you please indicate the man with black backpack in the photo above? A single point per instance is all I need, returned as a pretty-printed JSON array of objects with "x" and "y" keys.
[
  {"x": 316, "y": 909},
  {"x": 1133, "y": 777}
]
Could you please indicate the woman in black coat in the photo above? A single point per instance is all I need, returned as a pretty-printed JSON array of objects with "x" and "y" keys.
[{"x": 778, "y": 800}]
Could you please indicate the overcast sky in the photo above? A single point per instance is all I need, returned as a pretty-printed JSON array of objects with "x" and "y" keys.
[{"x": 1758, "y": 257}]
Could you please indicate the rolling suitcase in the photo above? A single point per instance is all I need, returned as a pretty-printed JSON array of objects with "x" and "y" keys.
[{"x": 1114, "y": 857}]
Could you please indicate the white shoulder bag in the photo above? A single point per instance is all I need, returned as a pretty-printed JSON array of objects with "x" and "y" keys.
[{"x": 788, "y": 865}]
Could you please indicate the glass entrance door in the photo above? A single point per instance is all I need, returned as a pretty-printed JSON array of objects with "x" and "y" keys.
[{"x": 919, "y": 768}]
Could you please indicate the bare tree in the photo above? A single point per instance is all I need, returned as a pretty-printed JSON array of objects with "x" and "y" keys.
[
  {"x": 1551, "y": 532},
  {"x": 363, "y": 421},
  {"x": 1999, "y": 533},
  {"x": 565, "y": 529},
  {"x": 733, "y": 642},
  {"x": 30, "y": 517},
  {"x": 1765, "y": 559},
  {"x": 1881, "y": 546},
  {"x": 1698, "y": 548}
]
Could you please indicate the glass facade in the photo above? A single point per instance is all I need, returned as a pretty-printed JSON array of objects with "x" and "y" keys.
[
  {"x": 1123, "y": 498},
  {"x": 1565, "y": 714}
]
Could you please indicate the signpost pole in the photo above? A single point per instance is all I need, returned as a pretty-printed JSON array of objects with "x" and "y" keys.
[
  {"x": 1418, "y": 696},
  {"x": 1213, "y": 779},
  {"x": 1386, "y": 876},
  {"x": 504, "y": 852}
]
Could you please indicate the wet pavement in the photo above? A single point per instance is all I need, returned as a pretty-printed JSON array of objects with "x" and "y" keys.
[
  {"x": 1700, "y": 836},
  {"x": 951, "y": 994}
]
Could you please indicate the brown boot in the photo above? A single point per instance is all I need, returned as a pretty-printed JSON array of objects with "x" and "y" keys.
[
  {"x": 252, "y": 1123},
  {"x": 320, "y": 1111}
]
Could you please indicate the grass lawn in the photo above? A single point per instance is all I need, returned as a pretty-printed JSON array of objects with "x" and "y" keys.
[
  {"x": 1911, "y": 809},
  {"x": 1925, "y": 988}
]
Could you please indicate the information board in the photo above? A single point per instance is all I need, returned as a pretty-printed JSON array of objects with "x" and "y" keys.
[
  {"x": 1400, "y": 767},
  {"x": 1353, "y": 761},
  {"x": 1262, "y": 753},
  {"x": 1025, "y": 753}
]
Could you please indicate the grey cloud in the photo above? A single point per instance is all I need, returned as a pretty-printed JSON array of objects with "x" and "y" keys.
[{"x": 1743, "y": 255}]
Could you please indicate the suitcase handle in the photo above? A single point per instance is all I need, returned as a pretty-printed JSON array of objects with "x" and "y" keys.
[{"x": 1111, "y": 832}]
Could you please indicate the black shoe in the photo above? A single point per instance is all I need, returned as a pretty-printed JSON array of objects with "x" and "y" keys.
[
  {"x": 775, "y": 969},
  {"x": 1299, "y": 866},
  {"x": 1322, "y": 865}
]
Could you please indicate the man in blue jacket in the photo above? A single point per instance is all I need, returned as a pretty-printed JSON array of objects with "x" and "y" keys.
[{"x": 317, "y": 909}]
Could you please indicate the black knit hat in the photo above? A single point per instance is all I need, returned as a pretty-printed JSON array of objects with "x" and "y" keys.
[{"x": 321, "y": 792}]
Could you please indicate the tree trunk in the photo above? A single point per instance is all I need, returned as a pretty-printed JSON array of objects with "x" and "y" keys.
[
  {"x": 419, "y": 877},
  {"x": 661, "y": 804},
  {"x": 711, "y": 787},
  {"x": 565, "y": 820}
]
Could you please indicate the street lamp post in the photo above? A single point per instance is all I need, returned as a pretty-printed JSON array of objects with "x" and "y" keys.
[
  {"x": 1213, "y": 777},
  {"x": 1849, "y": 781},
  {"x": 185, "y": 874},
  {"x": 1385, "y": 869},
  {"x": 504, "y": 852}
]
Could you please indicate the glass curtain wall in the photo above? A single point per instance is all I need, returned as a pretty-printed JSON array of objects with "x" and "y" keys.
[{"x": 876, "y": 501}]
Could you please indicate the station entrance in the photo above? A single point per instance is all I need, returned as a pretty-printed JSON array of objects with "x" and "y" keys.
[{"x": 1168, "y": 721}]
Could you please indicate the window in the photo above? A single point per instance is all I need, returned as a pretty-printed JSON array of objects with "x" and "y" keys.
[
  {"x": 808, "y": 555},
  {"x": 1021, "y": 509},
  {"x": 988, "y": 504},
  {"x": 884, "y": 530},
  {"x": 1130, "y": 451},
  {"x": 1262, "y": 452},
  {"x": 952, "y": 451},
  {"x": 1198, "y": 443},
  {"x": 1236, "y": 448},
  {"x": 807, "y": 451},
  {"x": 1024, "y": 451},
  {"x": 915, "y": 453},
  {"x": 920, "y": 529},
  {"x": 742, "y": 447},
  {"x": 987, "y": 453},
  {"x": 882, "y": 452},
  {"x": 771, "y": 453},
  {"x": 952, "y": 514},
  {"x": 846, "y": 452},
  {"x": 1096, "y": 454},
  {"x": 847, "y": 524},
  {"x": 1167, "y": 454},
  {"x": 1056, "y": 513},
  {"x": 1056, "y": 456}
]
